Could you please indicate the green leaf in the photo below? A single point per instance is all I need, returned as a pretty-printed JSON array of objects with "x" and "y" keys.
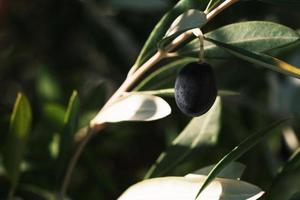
[
  {"x": 185, "y": 188},
  {"x": 288, "y": 180},
  {"x": 296, "y": 196},
  {"x": 259, "y": 36},
  {"x": 288, "y": 2},
  {"x": 188, "y": 20},
  {"x": 44, "y": 194},
  {"x": 211, "y": 5},
  {"x": 47, "y": 86},
  {"x": 169, "y": 92},
  {"x": 20, "y": 124},
  {"x": 260, "y": 59},
  {"x": 159, "y": 77},
  {"x": 238, "y": 151},
  {"x": 233, "y": 170},
  {"x": 70, "y": 126},
  {"x": 133, "y": 107},
  {"x": 201, "y": 131},
  {"x": 54, "y": 115},
  {"x": 163, "y": 25}
]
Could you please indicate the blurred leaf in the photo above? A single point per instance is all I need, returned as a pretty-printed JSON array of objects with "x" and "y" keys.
[
  {"x": 201, "y": 131},
  {"x": 296, "y": 196},
  {"x": 20, "y": 124},
  {"x": 139, "y": 5},
  {"x": 163, "y": 25},
  {"x": 70, "y": 126},
  {"x": 54, "y": 115},
  {"x": 54, "y": 145},
  {"x": 44, "y": 194},
  {"x": 233, "y": 170},
  {"x": 260, "y": 59},
  {"x": 256, "y": 36},
  {"x": 188, "y": 20},
  {"x": 162, "y": 74},
  {"x": 134, "y": 107},
  {"x": 288, "y": 180},
  {"x": 47, "y": 86},
  {"x": 291, "y": 2},
  {"x": 185, "y": 188},
  {"x": 169, "y": 92},
  {"x": 238, "y": 151}
]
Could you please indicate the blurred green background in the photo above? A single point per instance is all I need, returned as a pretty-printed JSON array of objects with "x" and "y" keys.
[{"x": 48, "y": 48}]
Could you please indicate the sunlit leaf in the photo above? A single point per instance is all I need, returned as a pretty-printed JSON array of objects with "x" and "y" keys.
[
  {"x": 163, "y": 25},
  {"x": 238, "y": 151},
  {"x": 134, "y": 107},
  {"x": 258, "y": 36},
  {"x": 260, "y": 59},
  {"x": 211, "y": 5},
  {"x": 20, "y": 124},
  {"x": 188, "y": 20},
  {"x": 201, "y": 131},
  {"x": 288, "y": 180},
  {"x": 169, "y": 92},
  {"x": 185, "y": 188},
  {"x": 233, "y": 170}
]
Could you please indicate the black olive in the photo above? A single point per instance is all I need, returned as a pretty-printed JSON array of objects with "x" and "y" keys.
[{"x": 195, "y": 89}]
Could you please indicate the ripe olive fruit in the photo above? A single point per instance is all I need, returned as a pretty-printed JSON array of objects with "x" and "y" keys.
[{"x": 195, "y": 89}]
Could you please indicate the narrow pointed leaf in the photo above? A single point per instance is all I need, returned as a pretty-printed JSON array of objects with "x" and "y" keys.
[
  {"x": 163, "y": 25},
  {"x": 164, "y": 75},
  {"x": 260, "y": 59},
  {"x": 188, "y": 20},
  {"x": 258, "y": 36},
  {"x": 234, "y": 170},
  {"x": 169, "y": 92},
  {"x": 134, "y": 107},
  {"x": 185, "y": 188},
  {"x": 238, "y": 151},
  {"x": 70, "y": 124},
  {"x": 15, "y": 146},
  {"x": 200, "y": 132}
]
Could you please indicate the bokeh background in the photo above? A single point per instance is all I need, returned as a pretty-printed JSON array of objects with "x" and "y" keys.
[{"x": 48, "y": 48}]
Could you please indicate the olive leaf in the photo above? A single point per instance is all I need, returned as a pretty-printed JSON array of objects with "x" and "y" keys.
[
  {"x": 258, "y": 36},
  {"x": 15, "y": 146},
  {"x": 169, "y": 92},
  {"x": 179, "y": 188},
  {"x": 133, "y": 107},
  {"x": 188, "y": 20},
  {"x": 200, "y": 132},
  {"x": 233, "y": 170},
  {"x": 163, "y": 25},
  {"x": 260, "y": 59},
  {"x": 238, "y": 151}
]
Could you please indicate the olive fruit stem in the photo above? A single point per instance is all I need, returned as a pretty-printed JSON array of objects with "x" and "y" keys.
[
  {"x": 133, "y": 76},
  {"x": 198, "y": 33}
]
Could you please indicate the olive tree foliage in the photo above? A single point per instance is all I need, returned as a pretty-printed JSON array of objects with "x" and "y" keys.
[{"x": 177, "y": 41}]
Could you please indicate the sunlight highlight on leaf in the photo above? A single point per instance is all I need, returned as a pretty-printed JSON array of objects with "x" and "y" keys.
[{"x": 134, "y": 107}]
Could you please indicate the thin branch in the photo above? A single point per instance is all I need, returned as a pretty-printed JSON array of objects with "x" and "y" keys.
[{"x": 75, "y": 158}]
